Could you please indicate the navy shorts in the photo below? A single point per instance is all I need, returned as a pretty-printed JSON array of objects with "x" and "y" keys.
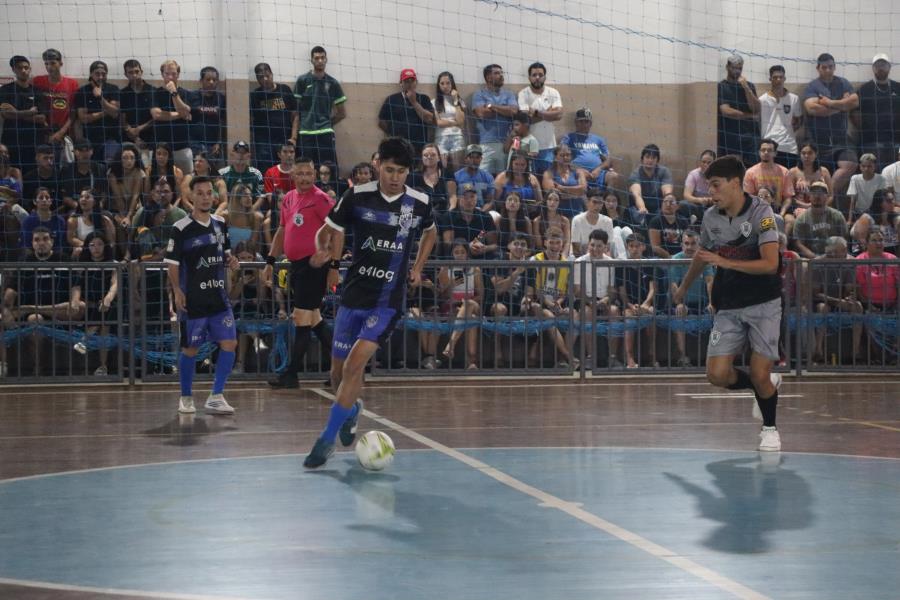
[
  {"x": 215, "y": 328},
  {"x": 372, "y": 324}
]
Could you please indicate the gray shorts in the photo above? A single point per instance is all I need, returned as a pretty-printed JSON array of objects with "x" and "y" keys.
[{"x": 759, "y": 323}]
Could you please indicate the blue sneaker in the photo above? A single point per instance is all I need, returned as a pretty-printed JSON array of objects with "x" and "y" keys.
[
  {"x": 319, "y": 455},
  {"x": 348, "y": 429}
]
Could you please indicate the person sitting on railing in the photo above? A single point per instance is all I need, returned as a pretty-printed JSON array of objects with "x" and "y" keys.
[
  {"x": 508, "y": 287},
  {"x": 37, "y": 294},
  {"x": 464, "y": 289},
  {"x": 834, "y": 288},
  {"x": 98, "y": 288},
  {"x": 594, "y": 282},
  {"x": 547, "y": 293},
  {"x": 637, "y": 292},
  {"x": 696, "y": 299}
]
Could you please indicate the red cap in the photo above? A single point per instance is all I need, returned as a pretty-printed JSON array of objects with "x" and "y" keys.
[{"x": 407, "y": 74}]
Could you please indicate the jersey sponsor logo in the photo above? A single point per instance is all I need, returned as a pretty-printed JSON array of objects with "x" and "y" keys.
[
  {"x": 382, "y": 245},
  {"x": 767, "y": 224},
  {"x": 211, "y": 284},
  {"x": 298, "y": 219},
  {"x": 342, "y": 345},
  {"x": 205, "y": 263},
  {"x": 746, "y": 228},
  {"x": 228, "y": 321},
  {"x": 376, "y": 273},
  {"x": 197, "y": 242}
]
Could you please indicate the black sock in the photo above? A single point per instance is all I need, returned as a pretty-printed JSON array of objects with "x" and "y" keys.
[
  {"x": 767, "y": 408},
  {"x": 301, "y": 343},
  {"x": 743, "y": 381},
  {"x": 323, "y": 332}
]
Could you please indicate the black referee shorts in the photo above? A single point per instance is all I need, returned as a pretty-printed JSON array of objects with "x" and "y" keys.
[{"x": 308, "y": 284}]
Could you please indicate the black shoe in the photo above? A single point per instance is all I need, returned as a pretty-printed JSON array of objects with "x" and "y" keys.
[
  {"x": 285, "y": 381},
  {"x": 319, "y": 454},
  {"x": 348, "y": 429}
]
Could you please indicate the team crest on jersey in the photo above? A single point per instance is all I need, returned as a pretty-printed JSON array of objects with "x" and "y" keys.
[
  {"x": 406, "y": 218},
  {"x": 220, "y": 238},
  {"x": 298, "y": 219},
  {"x": 228, "y": 321},
  {"x": 746, "y": 228},
  {"x": 372, "y": 321}
]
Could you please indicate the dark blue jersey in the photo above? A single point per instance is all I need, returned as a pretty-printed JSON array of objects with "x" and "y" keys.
[
  {"x": 384, "y": 231},
  {"x": 200, "y": 252}
]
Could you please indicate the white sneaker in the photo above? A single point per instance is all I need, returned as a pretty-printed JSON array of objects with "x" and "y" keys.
[
  {"x": 186, "y": 405},
  {"x": 776, "y": 381},
  {"x": 769, "y": 440},
  {"x": 101, "y": 371},
  {"x": 217, "y": 405},
  {"x": 80, "y": 348}
]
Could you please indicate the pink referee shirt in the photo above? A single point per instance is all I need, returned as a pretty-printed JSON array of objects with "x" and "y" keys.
[{"x": 302, "y": 215}]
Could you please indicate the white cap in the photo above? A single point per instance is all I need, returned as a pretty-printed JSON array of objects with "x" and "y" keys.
[{"x": 883, "y": 57}]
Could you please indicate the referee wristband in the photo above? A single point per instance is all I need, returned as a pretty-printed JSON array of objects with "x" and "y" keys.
[
  {"x": 270, "y": 260},
  {"x": 334, "y": 264}
]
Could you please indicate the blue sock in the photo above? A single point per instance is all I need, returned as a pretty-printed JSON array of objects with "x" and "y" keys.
[
  {"x": 186, "y": 367},
  {"x": 224, "y": 364},
  {"x": 336, "y": 418}
]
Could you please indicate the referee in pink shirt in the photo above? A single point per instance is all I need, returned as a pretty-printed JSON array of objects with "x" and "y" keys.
[{"x": 303, "y": 213}]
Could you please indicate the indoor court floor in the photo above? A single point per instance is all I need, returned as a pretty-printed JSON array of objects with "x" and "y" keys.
[{"x": 524, "y": 489}]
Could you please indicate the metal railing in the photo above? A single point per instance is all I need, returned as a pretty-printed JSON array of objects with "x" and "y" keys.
[{"x": 487, "y": 317}]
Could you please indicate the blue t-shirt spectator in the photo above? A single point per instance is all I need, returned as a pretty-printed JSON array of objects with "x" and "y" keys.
[
  {"x": 494, "y": 129},
  {"x": 651, "y": 185},
  {"x": 589, "y": 150},
  {"x": 828, "y": 132},
  {"x": 696, "y": 297},
  {"x": 56, "y": 225},
  {"x": 481, "y": 180}
]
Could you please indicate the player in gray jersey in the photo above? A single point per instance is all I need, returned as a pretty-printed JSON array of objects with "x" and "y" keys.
[{"x": 740, "y": 238}]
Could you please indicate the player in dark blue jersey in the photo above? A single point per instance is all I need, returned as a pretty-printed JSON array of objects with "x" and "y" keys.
[
  {"x": 197, "y": 254},
  {"x": 385, "y": 217}
]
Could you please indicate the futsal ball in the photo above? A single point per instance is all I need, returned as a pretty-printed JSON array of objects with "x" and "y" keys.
[{"x": 375, "y": 450}]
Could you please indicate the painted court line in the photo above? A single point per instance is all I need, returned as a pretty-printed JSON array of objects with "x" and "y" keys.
[
  {"x": 108, "y": 591},
  {"x": 572, "y": 509},
  {"x": 689, "y": 395}
]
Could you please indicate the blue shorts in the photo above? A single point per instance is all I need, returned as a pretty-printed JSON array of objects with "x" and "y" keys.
[
  {"x": 215, "y": 328},
  {"x": 372, "y": 324}
]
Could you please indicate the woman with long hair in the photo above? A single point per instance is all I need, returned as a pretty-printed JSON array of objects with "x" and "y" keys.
[
  {"x": 882, "y": 216},
  {"x": 86, "y": 220},
  {"x": 98, "y": 288},
  {"x": 328, "y": 181},
  {"x": 243, "y": 221},
  {"x": 431, "y": 178},
  {"x": 809, "y": 171},
  {"x": 450, "y": 120},
  {"x": 163, "y": 167},
  {"x": 513, "y": 219},
  {"x": 567, "y": 180},
  {"x": 549, "y": 217},
  {"x": 622, "y": 218},
  {"x": 126, "y": 183},
  {"x": 517, "y": 178},
  {"x": 203, "y": 168}
]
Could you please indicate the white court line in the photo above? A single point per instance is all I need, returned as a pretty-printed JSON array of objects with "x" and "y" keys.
[
  {"x": 107, "y": 591},
  {"x": 572, "y": 509},
  {"x": 690, "y": 395}
]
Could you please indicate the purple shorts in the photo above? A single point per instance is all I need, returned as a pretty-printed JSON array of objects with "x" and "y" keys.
[
  {"x": 215, "y": 328},
  {"x": 351, "y": 324}
]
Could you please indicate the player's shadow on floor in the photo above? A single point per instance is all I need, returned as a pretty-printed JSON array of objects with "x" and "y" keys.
[
  {"x": 189, "y": 430},
  {"x": 756, "y": 497}
]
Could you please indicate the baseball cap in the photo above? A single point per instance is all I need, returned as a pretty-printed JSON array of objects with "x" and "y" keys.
[
  {"x": 468, "y": 187},
  {"x": 881, "y": 56},
  {"x": 474, "y": 149},
  {"x": 407, "y": 74},
  {"x": 241, "y": 146},
  {"x": 818, "y": 185},
  {"x": 584, "y": 114}
]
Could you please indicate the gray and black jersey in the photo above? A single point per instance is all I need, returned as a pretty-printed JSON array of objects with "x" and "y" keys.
[{"x": 739, "y": 238}]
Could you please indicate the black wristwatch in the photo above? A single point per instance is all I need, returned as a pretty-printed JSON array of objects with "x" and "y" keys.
[{"x": 334, "y": 264}]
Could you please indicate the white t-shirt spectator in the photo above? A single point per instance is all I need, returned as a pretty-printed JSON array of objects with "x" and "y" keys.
[
  {"x": 775, "y": 116},
  {"x": 596, "y": 280},
  {"x": 581, "y": 228},
  {"x": 864, "y": 190},
  {"x": 448, "y": 114},
  {"x": 891, "y": 174},
  {"x": 547, "y": 99}
]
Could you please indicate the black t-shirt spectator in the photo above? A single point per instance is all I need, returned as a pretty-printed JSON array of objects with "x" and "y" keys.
[
  {"x": 636, "y": 280},
  {"x": 879, "y": 111},
  {"x": 271, "y": 114},
  {"x": 34, "y": 180},
  {"x": 404, "y": 121},
  {"x": 20, "y": 132},
  {"x": 207, "y": 117},
  {"x": 107, "y": 128},
  {"x": 41, "y": 286},
  {"x": 72, "y": 180},
  {"x": 135, "y": 106},
  {"x": 440, "y": 198},
  {"x": 670, "y": 233},
  {"x": 736, "y": 136},
  {"x": 175, "y": 133},
  {"x": 480, "y": 222}
]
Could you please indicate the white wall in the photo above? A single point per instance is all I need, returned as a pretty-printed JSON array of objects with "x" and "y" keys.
[{"x": 370, "y": 41}]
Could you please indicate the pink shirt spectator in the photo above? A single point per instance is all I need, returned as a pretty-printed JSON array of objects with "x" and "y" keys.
[
  {"x": 772, "y": 176},
  {"x": 302, "y": 215},
  {"x": 878, "y": 283},
  {"x": 699, "y": 182}
]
